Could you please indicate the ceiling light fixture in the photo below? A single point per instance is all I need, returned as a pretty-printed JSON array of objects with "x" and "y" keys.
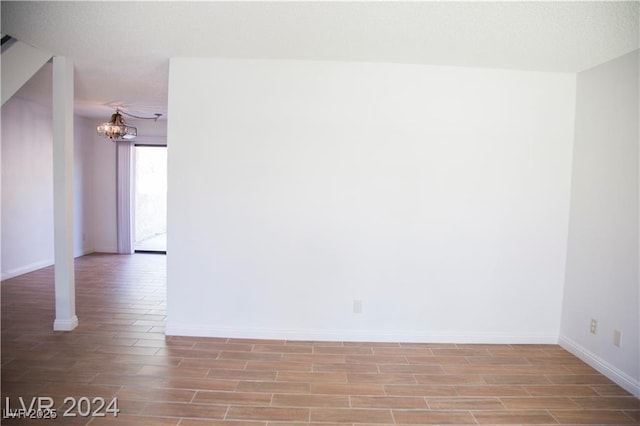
[{"x": 116, "y": 129}]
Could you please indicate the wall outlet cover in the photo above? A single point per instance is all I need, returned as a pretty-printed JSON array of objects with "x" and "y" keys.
[{"x": 617, "y": 338}]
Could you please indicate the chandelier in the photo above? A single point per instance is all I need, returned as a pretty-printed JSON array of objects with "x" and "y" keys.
[{"x": 116, "y": 129}]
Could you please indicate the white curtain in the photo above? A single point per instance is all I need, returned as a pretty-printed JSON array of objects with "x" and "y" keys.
[{"x": 124, "y": 196}]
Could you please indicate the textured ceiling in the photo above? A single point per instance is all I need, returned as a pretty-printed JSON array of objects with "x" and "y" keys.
[{"x": 121, "y": 49}]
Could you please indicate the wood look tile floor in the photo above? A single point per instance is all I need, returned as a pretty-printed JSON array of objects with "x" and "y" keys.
[{"x": 119, "y": 350}]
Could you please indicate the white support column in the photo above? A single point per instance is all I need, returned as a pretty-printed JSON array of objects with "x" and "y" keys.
[{"x": 66, "y": 318}]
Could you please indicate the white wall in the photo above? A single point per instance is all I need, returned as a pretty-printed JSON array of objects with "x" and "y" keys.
[
  {"x": 27, "y": 187},
  {"x": 602, "y": 262},
  {"x": 83, "y": 169},
  {"x": 438, "y": 196},
  {"x": 150, "y": 132},
  {"x": 104, "y": 220}
]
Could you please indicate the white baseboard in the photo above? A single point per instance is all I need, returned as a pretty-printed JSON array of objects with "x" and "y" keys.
[
  {"x": 105, "y": 250},
  {"x": 26, "y": 269},
  {"x": 35, "y": 266},
  {"x": 65, "y": 324},
  {"x": 176, "y": 329},
  {"x": 83, "y": 252},
  {"x": 625, "y": 381}
]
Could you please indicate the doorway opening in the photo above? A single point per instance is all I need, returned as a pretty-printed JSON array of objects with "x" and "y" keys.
[{"x": 150, "y": 199}]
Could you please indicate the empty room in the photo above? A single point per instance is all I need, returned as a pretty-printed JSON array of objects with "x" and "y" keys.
[{"x": 361, "y": 213}]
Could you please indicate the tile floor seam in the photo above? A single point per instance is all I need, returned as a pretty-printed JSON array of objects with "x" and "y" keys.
[
  {"x": 553, "y": 417},
  {"x": 224, "y": 417}
]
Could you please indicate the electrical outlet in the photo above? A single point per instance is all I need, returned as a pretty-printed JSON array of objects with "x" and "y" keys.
[
  {"x": 617, "y": 337},
  {"x": 594, "y": 326},
  {"x": 357, "y": 306}
]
